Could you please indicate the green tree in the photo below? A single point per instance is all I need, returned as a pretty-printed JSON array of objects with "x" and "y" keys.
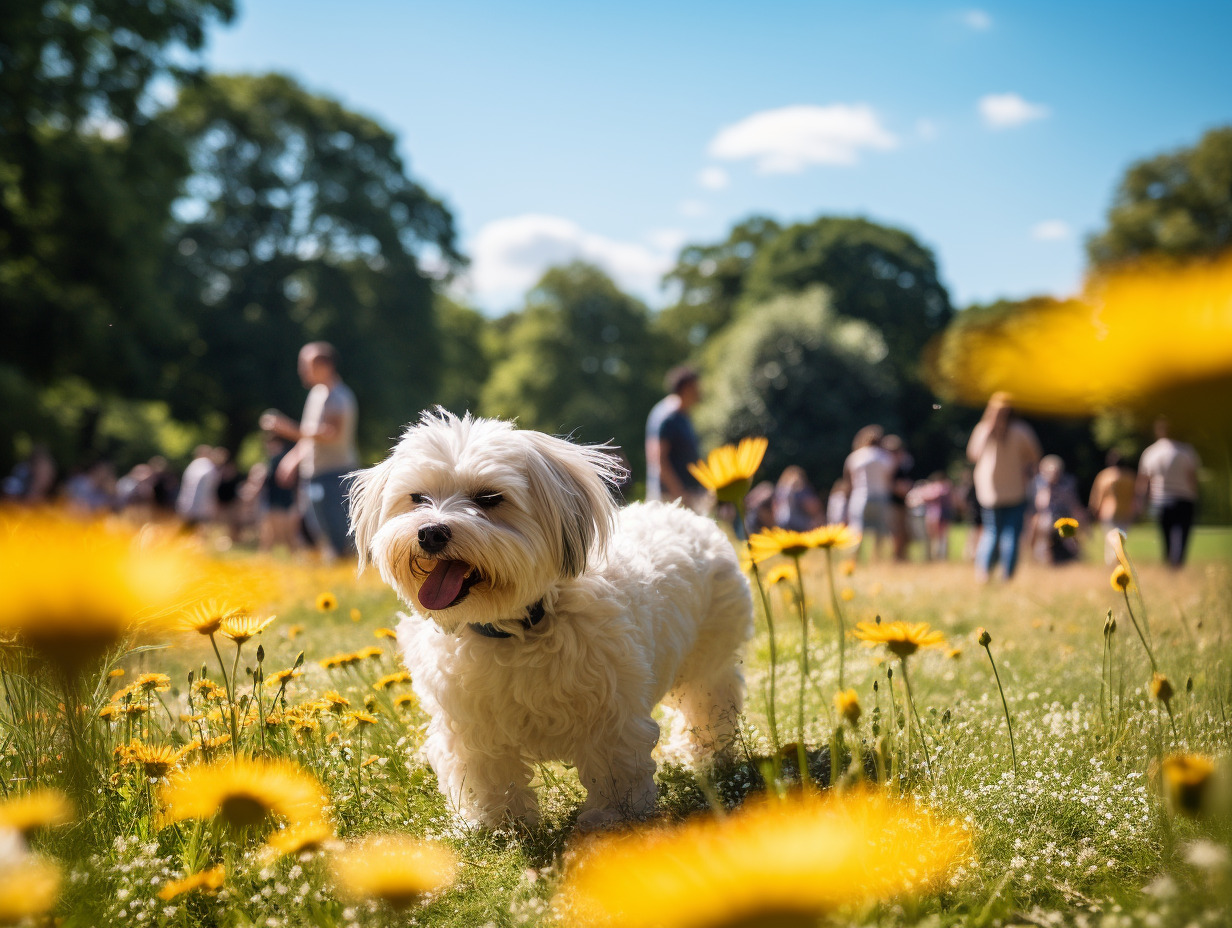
[
  {"x": 796, "y": 371},
  {"x": 711, "y": 282},
  {"x": 299, "y": 222},
  {"x": 466, "y": 353},
  {"x": 579, "y": 360},
  {"x": 86, "y": 178},
  {"x": 1175, "y": 205}
]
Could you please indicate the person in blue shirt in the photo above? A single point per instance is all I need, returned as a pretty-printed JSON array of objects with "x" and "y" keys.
[{"x": 671, "y": 443}]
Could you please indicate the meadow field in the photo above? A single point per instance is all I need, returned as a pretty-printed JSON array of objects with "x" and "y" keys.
[{"x": 1078, "y": 824}]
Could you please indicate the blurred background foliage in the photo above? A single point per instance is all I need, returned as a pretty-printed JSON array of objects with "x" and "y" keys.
[{"x": 169, "y": 238}]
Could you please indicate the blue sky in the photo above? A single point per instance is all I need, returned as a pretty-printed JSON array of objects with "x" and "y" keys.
[{"x": 995, "y": 133}]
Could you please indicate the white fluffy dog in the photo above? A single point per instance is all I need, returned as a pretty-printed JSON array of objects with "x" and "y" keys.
[{"x": 546, "y": 624}]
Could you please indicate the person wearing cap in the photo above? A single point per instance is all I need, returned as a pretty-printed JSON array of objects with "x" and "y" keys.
[{"x": 1005, "y": 453}]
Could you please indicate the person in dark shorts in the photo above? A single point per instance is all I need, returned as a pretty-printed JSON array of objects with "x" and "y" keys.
[
  {"x": 671, "y": 443},
  {"x": 277, "y": 505}
]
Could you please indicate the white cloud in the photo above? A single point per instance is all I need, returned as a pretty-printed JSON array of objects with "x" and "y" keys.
[
  {"x": 789, "y": 139},
  {"x": 508, "y": 256},
  {"x": 1051, "y": 230},
  {"x": 693, "y": 208},
  {"x": 713, "y": 178},
  {"x": 667, "y": 239},
  {"x": 926, "y": 129},
  {"x": 1006, "y": 110},
  {"x": 979, "y": 20}
]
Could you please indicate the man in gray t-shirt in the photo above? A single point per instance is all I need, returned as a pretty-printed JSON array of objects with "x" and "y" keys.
[{"x": 325, "y": 445}]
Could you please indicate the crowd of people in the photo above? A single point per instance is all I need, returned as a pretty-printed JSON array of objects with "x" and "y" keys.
[
  {"x": 1010, "y": 494},
  {"x": 292, "y": 498}
]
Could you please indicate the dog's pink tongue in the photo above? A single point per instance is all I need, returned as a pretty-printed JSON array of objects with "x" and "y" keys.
[{"x": 443, "y": 584}]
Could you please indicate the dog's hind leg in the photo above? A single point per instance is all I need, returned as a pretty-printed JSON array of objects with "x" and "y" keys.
[{"x": 618, "y": 774}]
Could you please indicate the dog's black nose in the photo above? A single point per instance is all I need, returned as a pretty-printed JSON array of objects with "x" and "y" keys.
[{"x": 434, "y": 537}]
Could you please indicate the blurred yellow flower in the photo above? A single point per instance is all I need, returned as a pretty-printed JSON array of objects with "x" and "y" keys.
[
  {"x": 294, "y": 631},
  {"x": 848, "y": 568},
  {"x": 386, "y": 633},
  {"x": 327, "y": 602},
  {"x": 283, "y": 676},
  {"x": 781, "y": 573},
  {"x": 361, "y": 719},
  {"x": 241, "y": 626},
  {"x": 243, "y": 791},
  {"x": 152, "y": 683},
  {"x": 1161, "y": 688},
  {"x": 298, "y": 838},
  {"x": 156, "y": 761},
  {"x": 771, "y": 862},
  {"x": 1066, "y": 527},
  {"x": 28, "y": 888},
  {"x": 115, "y": 674},
  {"x": 1120, "y": 579},
  {"x": 391, "y": 679},
  {"x": 901, "y": 638},
  {"x": 728, "y": 471},
  {"x": 356, "y": 615},
  {"x": 74, "y": 590},
  {"x": 773, "y": 541},
  {"x": 394, "y": 869},
  {"x": 406, "y": 701},
  {"x": 335, "y": 702},
  {"x": 833, "y": 536},
  {"x": 40, "y": 808},
  {"x": 1186, "y": 778},
  {"x": 847, "y": 702},
  {"x": 206, "y": 880},
  {"x": 847, "y": 594},
  {"x": 206, "y": 618}
]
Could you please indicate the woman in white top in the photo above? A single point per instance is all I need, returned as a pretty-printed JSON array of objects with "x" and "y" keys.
[{"x": 868, "y": 470}]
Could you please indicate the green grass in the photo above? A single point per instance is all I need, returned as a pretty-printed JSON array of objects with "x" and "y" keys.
[{"x": 1079, "y": 834}]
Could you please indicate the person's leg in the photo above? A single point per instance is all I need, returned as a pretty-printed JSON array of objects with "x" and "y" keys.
[
  {"x": 1184, "y": 523},
  {"x": 1166, "y": 523},
  {"x": 1010, "y": 533},
  {"x": 986, "y": 548},
  {"x": 328, "y": 501}
]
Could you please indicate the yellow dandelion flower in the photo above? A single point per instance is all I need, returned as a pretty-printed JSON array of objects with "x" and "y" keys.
[
  {"x": 386, "y": 633},
  {"x": 28, "y": 888},
  {"x": 208, "y": 689},
  {"x": 1066, "y": 527},
  {"x": 406, "y": 701},
  {"x": 1186, "y": 778},
  {"x": 40, "y": 808},
  {"x": 781, "y": 573},
  {"x": 356, "y": 615},
  {"x": 206, "y": 618},
  {"x": 294, "y": 631},
  {"x": 1161, "y": 688},
  {"x": 121, "y": 695},
  {"x": 1120, "y": 579},
  {"x": 954, "y": 653},
  {"x": 847, "y": 594},
  {"x": 848, "y": 705},
  {"x": 371, "y": 652},
  {"x": 728, "y": 471},
  {"x": 241, "y": 626},
  {"x": 73, "y": 591},
  {"x": 771, "y": 862},
  {"x": 110, "y": 712},
  {"x": 833, "y": 536},
  {"x": 370, "y": 760},
  {"x": 393, "y": 869},
  {"x": 901, "y": 638},
  {"x": 392, "y": 679},
  {"x": 243, "y": 791},
  {"x": 361, "y": 719},
  {"x": 848, "y": 568},
  {"x": 205, "y": 880},
  {"x": 135, "y": 709},
  {"x": 327, "y": 602},
  {"x": 774, "y": 541},
  {"x": 335, "y": 702},
  {"x": 152, "y": 683},
  {"x": 115, "y": 674},
  {"x": 283, "y": 676},
  {"x": 156, "y": 761},
  {"x": 297, "y": 839}
]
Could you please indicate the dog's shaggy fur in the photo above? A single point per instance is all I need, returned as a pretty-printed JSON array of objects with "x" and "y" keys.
[{"x": 639, "y": 605}]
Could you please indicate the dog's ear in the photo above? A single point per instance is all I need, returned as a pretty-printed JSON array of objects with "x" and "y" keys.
[
  {"x": 366, "y": 487},
  {"x": 574, "y": 482}
]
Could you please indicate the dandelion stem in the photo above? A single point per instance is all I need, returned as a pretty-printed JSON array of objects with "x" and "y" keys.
[
  {"x": 1150, "y": 654},
  {"x": 928, "y": 764},
  {"x": 804, "y": 667},
  {"x": 1005, "y": 705},
  {"x": 771, "y": 715},
  {"x": 838, "y": 615}
]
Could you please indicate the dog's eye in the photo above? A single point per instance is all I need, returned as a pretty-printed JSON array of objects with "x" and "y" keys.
[
  {"x": 488, "y": 499},
  {"x": 418, "y": 498}
]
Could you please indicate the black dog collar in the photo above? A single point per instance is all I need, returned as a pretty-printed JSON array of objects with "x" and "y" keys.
[{"x": 534, "y": 615}]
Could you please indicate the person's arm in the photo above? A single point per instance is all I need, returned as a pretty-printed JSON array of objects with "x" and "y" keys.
[
  {"x": 330, "y": 428},
  {"x": 288, "y": 468},
  {"x": 1097, "y": 492},
  {"x": 978, "y": 440},
  {"x": 280, "y": 425},
  {"x": 667, "y": 475}
]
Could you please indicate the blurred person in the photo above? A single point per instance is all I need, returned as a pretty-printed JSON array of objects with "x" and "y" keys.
[
  {"x": 32, "y": 480},
  {"x": 135, "y": 493},
  {"x": 277, "y": 512},
  {"x": 197, "y": 502},
  {"x": 1168, "y": 478},
  {"x": 671, "y": 443},
  {"x": 936, "y": 497},
  {"x": 324, "y": 451},
  {"x": 836, "y": 502},
  {"x": 869, "y": 470},
  {"x": 796, "y": 504},
  {"x": 1114, "y": 499},
  {"x": 228, "y": 493},
  {"x": 92, "y": 491},
  {"x": 1055, "y": 494},
  {"x": 1005, "y": 453},
  {"x": 901, "y": 483},
  {"x": 969, "y": 511},
  {"x": 759, "y": 508},
  {"x": 164, "y": 487}
]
